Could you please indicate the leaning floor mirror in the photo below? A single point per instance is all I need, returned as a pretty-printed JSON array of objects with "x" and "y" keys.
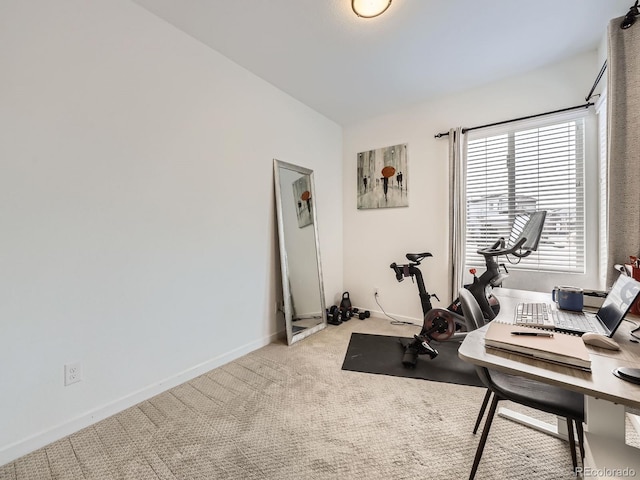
[{"x": 302, "y": 288}]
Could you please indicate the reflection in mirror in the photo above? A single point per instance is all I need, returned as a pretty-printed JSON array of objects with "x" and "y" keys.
[{"x": 302, "y": 287}]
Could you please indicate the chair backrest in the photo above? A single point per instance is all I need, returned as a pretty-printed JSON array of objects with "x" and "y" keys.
[
  {"x": 473, "y": 313},
  {"x": 470, "y": 309}
]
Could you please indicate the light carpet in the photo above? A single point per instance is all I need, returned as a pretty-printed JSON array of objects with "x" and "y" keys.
[{"x": 291, "y": 413}]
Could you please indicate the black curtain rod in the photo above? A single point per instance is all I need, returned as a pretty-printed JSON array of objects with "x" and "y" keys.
[
  {"x": 595, "y": 84},
  {"x": 465, "y": 130}
]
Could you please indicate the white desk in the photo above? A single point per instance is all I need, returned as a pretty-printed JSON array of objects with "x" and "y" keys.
[{"x": 605, "y": 395}]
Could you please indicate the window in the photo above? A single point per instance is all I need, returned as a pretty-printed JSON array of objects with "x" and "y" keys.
[{"x": 523, "y": 168}]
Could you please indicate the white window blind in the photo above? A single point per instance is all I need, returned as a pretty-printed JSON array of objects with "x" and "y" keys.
[{"x": 522, "y": 168}]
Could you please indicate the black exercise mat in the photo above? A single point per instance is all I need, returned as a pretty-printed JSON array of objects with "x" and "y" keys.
[{"x": 382, "y": 354}]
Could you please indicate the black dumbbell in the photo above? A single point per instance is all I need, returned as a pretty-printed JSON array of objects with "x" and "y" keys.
[
  {"x": 363, "y": 315},
  {"x": 334, "y": 315}
]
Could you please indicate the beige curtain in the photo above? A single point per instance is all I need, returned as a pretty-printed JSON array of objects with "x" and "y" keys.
[
  {"x": 458, "y": 208},
  {"x": 623, "y": 113}
]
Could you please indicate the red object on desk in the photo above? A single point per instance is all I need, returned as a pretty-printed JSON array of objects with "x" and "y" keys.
[{"x": 635, "y": 308}]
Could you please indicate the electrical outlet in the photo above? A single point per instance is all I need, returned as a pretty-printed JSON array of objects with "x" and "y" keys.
[
  {"x": 72, "y": 373},
  {"x": 376, "y": 292}
]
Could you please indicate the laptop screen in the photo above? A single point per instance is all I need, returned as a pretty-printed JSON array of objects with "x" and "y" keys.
[{"x": 618, "y": 302}]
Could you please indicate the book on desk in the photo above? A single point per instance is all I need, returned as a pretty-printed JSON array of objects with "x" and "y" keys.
[{"x": 559, "y": 348}]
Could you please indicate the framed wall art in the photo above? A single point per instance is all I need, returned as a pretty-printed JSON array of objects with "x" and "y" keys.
[{"x": 382, "y": 178}]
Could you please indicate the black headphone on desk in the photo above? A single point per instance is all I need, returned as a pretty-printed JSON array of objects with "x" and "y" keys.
[{"x": 629, "y": 374}]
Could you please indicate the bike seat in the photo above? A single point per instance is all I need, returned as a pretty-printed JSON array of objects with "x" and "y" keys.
[{"x": 417, "y": 257}]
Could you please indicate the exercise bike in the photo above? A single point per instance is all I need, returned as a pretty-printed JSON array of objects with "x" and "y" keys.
[
  {"x": 442, "y": 324},
  {"x": 439, "y": 324}
]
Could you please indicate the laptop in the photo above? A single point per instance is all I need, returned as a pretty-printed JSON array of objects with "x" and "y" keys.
[{"x": 605, "y": 321}]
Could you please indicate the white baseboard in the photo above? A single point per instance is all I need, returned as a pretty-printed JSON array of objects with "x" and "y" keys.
[
  {"x": 22, "y": 447},
  {"x": 390, "y": 316}
]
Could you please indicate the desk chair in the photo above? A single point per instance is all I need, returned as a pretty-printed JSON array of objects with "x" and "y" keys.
[{"x": 530, "y": 393}]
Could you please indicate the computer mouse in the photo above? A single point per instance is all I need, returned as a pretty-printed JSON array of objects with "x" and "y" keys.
[{"x": 602, "y": 341}]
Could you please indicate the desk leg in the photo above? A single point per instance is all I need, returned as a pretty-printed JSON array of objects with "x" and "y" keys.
[
  {"x": 635, "y": 422},
  {"x": 601, "y": 417},
  {"x": 558, "y": 430},
  {"x": 605, "y": 446},
  {"x": 604, "y": 418}
]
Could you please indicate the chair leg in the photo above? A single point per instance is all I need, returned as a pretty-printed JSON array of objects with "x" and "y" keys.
[
  {"x": 485, "y": 401},
  {"x": 483, "y": 438},
  {"x": 572, "y": 443},
  {"x": 580, "y": 437}
]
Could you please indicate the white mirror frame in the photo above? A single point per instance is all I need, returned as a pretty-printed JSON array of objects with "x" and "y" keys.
[{"x": 284, "y": 260}]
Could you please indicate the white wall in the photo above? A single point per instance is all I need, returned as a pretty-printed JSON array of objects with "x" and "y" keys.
[
  {"x": 136, "y": 210},
  {"x": 373, "y": 239}
]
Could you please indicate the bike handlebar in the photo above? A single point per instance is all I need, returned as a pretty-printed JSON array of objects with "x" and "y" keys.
[
  {"x": 399, "y": 269},
  {"x": 499, "y": 248},
  {"x": 403, "y": 270}
]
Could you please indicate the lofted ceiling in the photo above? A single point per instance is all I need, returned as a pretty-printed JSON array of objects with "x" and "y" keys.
[{"x": 349, "y": 68}]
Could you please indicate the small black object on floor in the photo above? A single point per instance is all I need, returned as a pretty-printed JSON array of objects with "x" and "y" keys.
[{"x": 382, "y": 354}]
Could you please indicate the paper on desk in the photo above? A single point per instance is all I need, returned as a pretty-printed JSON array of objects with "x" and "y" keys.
[{"x": 565, "y": 349}]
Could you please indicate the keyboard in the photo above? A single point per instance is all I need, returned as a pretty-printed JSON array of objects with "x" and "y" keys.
[
  {"x": 577, "y": 321},
  {"x": 534, "y": 315},
  {"x": 543, "y": 315}
]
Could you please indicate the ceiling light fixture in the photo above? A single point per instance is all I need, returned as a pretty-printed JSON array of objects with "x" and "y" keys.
[
  {"x": 369, "y": 8},
  {"x": 630, "y": 18}
]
